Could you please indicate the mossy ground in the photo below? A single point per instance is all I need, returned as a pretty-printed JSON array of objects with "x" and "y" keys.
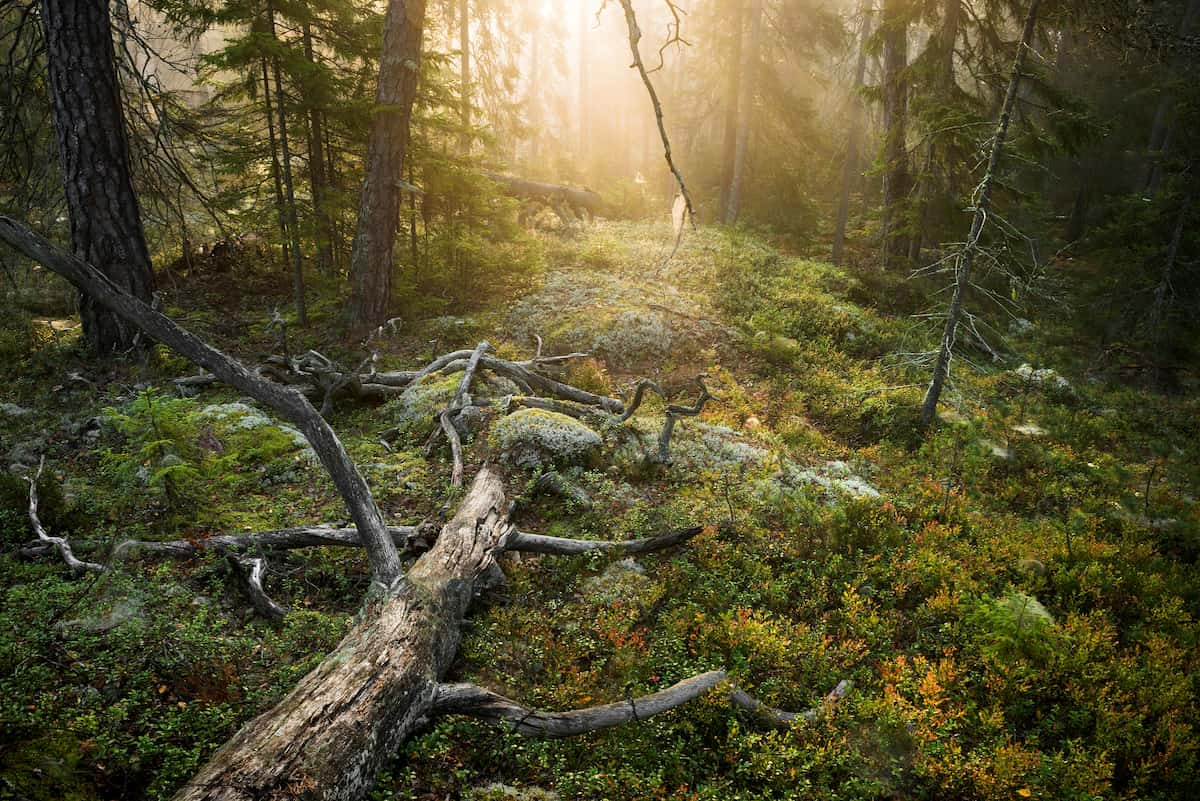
[{"x": 119, "y": 686}]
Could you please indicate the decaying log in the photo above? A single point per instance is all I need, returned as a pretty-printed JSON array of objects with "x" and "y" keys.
[
  {"x": 567, "y": 202},
  {"x": 329, "y": 736},
  {"x": 407, "y": 539}
]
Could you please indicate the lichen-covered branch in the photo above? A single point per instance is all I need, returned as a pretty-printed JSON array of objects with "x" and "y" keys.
[{"x": 59, "y": 543}]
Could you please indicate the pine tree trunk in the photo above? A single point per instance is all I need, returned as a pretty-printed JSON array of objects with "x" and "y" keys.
[
  {"x": 749, "y": 69},
  {"x": 464, "y": 46},
  {"x": 106, "y": 223},
  {"x": 379, "y": 205},
  {"x": 289, "y": 187},
  {"x": 276, "y": 178},
  {"x": 966, "y": 259},
  {"x": 1160, "y": 129},
  {"x": 316, "y": 169},
  {"x": 897, "y": 181},
  {"x": 853, "y": 143}
]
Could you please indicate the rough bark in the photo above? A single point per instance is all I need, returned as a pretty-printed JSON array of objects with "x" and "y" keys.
[
  {"x": 748, "y": 69},
  {"x": 965, "y": 260},
  {"x": 850, "y": 168},
  {"x": 897, "y": 181},
  {"x": 106, "y": 224},
  {"x": 387, "y": 145},
  {"x": 289, "y": 403},
  {"x": 328, "y": 738}
]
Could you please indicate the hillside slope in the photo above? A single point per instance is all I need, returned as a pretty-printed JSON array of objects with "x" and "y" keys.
[{"x": 1013, "y": 595}]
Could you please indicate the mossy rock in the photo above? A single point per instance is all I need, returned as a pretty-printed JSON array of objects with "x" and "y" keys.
[
  {"x": 417, "y": 409},
  {"x": 533, "y": 438}
]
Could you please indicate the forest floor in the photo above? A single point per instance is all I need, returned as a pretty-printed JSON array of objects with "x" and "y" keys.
[{"x": 1014, "y": 594}]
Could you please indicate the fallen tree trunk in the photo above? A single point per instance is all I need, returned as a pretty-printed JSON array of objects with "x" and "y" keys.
[
  {"x": 328, "y": 738},
  {"x": 565, "y": 201}
]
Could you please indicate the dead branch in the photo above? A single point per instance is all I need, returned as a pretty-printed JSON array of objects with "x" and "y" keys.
[
  {"x": 476, "y": 701},
  {"x": 292, "y": 405},
  {"x": 553, "y": 483},
  {"x": 250, "y": 571},
  {"x": 563, "y": 546},
  {"x": 460, "y": 399},
  {"x": 60, "y": 543},
  {"x": 674, "y": 412},
  {"x": 635, "y": 36}
]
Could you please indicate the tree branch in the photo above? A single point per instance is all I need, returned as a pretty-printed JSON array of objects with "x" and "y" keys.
[
  {"x": 564, "y": 546},
  {"x": 381, "y": 551},
  {"x": 476, "y": 701},
  {"x": 64, "y": 548}
]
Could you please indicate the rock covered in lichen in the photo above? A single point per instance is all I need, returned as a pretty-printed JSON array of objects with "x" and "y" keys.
[
  {"x": 418, "y": 407},
  {"x": 533, "y": 438}
]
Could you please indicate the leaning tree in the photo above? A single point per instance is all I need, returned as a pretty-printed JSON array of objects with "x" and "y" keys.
[{"x": 331, "y": 734}]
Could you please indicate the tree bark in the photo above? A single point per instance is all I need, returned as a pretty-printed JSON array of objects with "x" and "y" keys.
[
  {"x": 106, "y": 224},
  {"x": 379, "y": 205},
  {"x": 288, "y": 185},
  {"x": 749, "y": 71},
  {"x": 897, "y": 181},
  {"x": 853, "y": 143},
  {"x": 966, "y": 259},
  {"x": 328, "y": 738},
  {"x": 316, "y": 168}
]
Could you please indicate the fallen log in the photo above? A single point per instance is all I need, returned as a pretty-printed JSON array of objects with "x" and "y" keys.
[{"x": 568, "y": 202}]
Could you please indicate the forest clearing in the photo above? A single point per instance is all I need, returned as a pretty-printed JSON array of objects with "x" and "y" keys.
[{"x": 806, "y": 409}]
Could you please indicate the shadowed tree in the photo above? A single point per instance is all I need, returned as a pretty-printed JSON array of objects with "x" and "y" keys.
[
  {"x": 379, "y": 203},
  {"x": 106, "y": 224}
]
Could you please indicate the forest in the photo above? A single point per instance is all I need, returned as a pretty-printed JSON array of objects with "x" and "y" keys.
[{"x": 599, "y": 400}]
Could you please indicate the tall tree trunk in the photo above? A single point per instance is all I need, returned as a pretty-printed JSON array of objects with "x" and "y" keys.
[
  {"x": 289, "y": 187},
  {"x": 464, "y": 64},
  {"x": 749, "y": 70},
  {"x": 584, "y": 100},
  {"x": 316, "y": 168},
  {"x": 1160, "y": 129},
  {"x": 732, "y": 90},
  {"x": 897, "y": 181},
  {"x": 379, "y": 205},
  {"x": 276, "y": 177},
  {"x": 966, "y": 259},
  {"x": 854, "y": 141},
  {"x": 533, "y": 99},
  {"x": 944, "y": 84},
  {"x": 106, "y": 224}
]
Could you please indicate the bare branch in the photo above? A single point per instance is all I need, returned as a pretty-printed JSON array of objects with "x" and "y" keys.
[
  {"x": 476, "y": 701},
  {"x": 564, "y": 546},
  {"x": 60, "y": 543},
  {"x": 251, "y": 572}
]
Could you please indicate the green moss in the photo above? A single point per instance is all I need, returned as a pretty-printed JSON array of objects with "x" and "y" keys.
[{"x": 535, "y": 437}]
